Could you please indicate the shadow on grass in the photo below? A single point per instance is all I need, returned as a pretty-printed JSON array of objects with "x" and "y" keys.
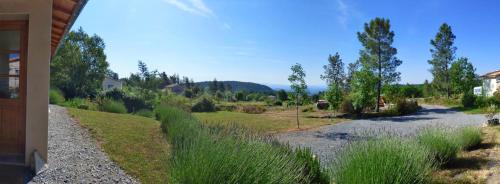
[{"x": 471, "y": 163}]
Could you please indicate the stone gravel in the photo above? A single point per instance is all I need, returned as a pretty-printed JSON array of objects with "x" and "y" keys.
[
  {"x": 326, "y": 141},
  {"x": 74, "y": 157}
]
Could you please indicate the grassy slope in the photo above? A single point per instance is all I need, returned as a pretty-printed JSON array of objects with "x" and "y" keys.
[
  {"x": 135, "y": 143},
  {"x": 269, "y": 122}
]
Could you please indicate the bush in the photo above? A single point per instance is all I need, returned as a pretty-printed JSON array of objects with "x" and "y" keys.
[
  {"x": 404, "y": 106},
  {"x": 252, "y": 109},
  {"x": 132, "y": 103},
  {"x": 145, "y": 113},
  {"x": 469, "y": 137},
  {"x": 56, "y": 97},
  {"x": 203, "y": 105},
  {"x": 313, "y": 166},
  {"x": 442, "y": 146},
  {"x": 383, "y": 161},
  {"x": 346, "y": 106},
  {"x": 205, "y": 155},
  {"x": 81, "y": 103},
  {"x": 112, "y": 106},
  {"x": 468, "y": 100},
  {"x": 481, "y": 101},
  {"x": 278, "y": 103},
  {"x": 308, "y": 109}
]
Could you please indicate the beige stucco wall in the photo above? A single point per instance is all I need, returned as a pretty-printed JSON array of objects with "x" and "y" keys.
[{"x": 39, "y": 13}]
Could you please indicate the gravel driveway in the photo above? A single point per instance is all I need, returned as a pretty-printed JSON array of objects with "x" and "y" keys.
[
  {"x": 327, "y": 140},
  {"x": 74, "y": 156}
]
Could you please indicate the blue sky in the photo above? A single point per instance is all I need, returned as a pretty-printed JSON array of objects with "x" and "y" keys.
[{"x": 258, "y": 40}]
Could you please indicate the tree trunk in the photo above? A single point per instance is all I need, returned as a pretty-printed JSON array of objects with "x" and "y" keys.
[
  {"x": 297, "y": 107},
  {"x": 379, "y": 82}
]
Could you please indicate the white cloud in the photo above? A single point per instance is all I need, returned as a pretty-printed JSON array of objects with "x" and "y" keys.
[
  {"x": 345, "y": 13},
  {"x": 197, "y": 7}
]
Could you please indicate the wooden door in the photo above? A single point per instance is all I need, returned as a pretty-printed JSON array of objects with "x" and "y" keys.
[{"x": 13, "y": 44}]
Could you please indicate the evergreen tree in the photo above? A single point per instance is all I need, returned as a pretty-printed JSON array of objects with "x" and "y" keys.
[
  {"x": 380, "y": 56},
  {"x": 334, "y": 72},
  {"x": 427, "y": 89},
  {"x": 443, "y": 53}
]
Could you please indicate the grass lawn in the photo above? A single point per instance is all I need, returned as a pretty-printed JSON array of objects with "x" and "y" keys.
[
  {"x": 134, "y": 142},
  {"x": 268, "y": 122}
]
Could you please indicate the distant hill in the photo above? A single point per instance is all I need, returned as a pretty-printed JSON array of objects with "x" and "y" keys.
[{"x": 240, "y": 86}]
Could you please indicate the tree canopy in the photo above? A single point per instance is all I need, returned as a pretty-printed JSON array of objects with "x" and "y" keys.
[
  {"x": 443, "y": 53},
  {"x": 79, "y": 66}
]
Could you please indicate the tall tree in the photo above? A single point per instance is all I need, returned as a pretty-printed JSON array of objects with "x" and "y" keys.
[
  {"x": 443, "y": 54},
  {"x": 351, "y": 68},
  {"x": 427, "y": 89},
  {"x": 213, "y": 86},
  {"x": 79, "y": 66},
  {"x": 298, "y": 85},
  {"x": 377, "y": 39},
  {"x": 334, "y": 72},
  {"x": 462, "y": 76}
]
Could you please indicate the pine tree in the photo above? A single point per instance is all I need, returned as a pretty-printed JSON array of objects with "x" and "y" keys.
[
  {"x": 334, "y": 72},
  {"x": 443, "y": 54},
  {"x": 380, "y": 56}
]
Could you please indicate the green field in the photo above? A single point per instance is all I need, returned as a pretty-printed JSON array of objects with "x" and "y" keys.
[
  {"x": 134, "y": 142},
  {"x": 268, "y": 122}
]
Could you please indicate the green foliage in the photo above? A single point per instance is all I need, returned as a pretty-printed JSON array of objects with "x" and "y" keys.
[
  {"x": 240, "y": 96},
  {"x": 462, "y": 76},
  {"x": 108, "y": 105},
  {"x": 442, "y": 145},
  {"x": 469, "y": 137},
  {"x": 468, "y": 99},
  {"x": 132, "y": 103},
  {"x": 203, "y": 105},
  {"x": 334, "y": 96},
  {"x": 383, "y": 160},
  {"x": 334, "y": 72},
  {"x": 227, "y": 155},
  {"x": 346, "y": 106},
  {"x": 312, "y": 166},
  {"x": 81, "y": 103},
  {"x": 362, "y": 94},
  {"x": 443, "y": 53},
  {"x": 56, "y": 96},
  {"x": 145, "y": 113},
  {"x": 79, "y": 66},
  {"x": 404, "y": 106},
  {"x": 282, "y": 95}
]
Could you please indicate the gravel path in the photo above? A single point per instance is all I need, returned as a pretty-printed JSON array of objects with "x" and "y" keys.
[
  {"x": 327, "y": 140},
  {"x": 74, "y": 156}
]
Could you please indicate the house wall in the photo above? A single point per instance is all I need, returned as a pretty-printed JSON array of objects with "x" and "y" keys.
[
  {"x": 39, "y": 14},
  {"x": 490, "y": 86}
]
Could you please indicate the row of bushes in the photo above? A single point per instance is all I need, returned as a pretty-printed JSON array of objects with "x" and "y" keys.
[
  {"x": 232, "y": 155},
  {"x": 396, "y": 160},
  {"x": 470, "y": 100}
]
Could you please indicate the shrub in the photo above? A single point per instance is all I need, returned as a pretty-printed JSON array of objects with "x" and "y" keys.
[
  {"x": 404, "y": 106},
  {"x": 112, "y": 106},
  {"x": 145, "y": 113},
  {"x": 278, "y": 103},
  {"x": 308, "y": 109},
  {"x": 313, "y": 166},
  {"x": 81, "y": 103},
  {"x": 203, "y": 105},
  {"x": 481, "y": 101},
  {"x": 346, "y": 106},
  {"x": 56, "y": 97},
  {"x": 469, "y": 137},
  {"x": 252, "y": 109},
  {"x": 205, "y": 155},
  {"x": 384, "y": 160},
  {"x": 132, "y": 103},
  {"x": 468, "y": 100},
  {"x": 442, "y": 146}
]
